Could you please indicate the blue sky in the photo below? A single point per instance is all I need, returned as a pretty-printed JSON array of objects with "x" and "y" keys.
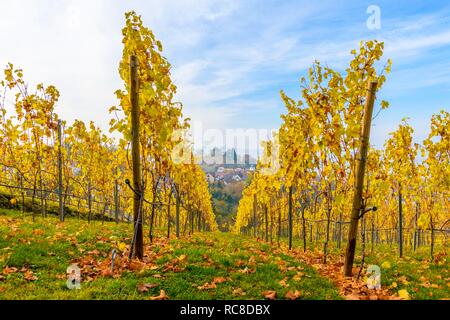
[{"x": 231, "y": 58}]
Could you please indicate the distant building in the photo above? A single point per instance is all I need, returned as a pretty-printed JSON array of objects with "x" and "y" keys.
[
  {"x": 210, "y": 178},
  {"x": 236, "y": 177},
  {"x": 247, "y": 159},
  {"x": 230, "y": 157}
]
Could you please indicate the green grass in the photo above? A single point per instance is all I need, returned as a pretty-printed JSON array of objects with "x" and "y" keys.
[
  {"x": 47, "y": 248},
  {"x": 415, "y": 272}
]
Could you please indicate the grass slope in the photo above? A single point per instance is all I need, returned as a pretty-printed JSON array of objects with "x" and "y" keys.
[{"x": 208, "y": 266}]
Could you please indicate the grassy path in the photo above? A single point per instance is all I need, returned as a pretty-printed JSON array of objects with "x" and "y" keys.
[{"x": 34, "y": 258}]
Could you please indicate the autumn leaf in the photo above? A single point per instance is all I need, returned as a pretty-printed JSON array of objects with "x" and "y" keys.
[
  {"x": 162, "y": 296},
  {"x": 403, "y": 280},
  {"x": 283, "y": 283},
  {"x": 207, "y": 286},
  {"x": 352, "y": 297},
  {"x": 122, "y": 246},
  {"x": 146, "y": 286},
  {"x": 29, "y": 276},
  {"x": 7, "y": 270},
  {"x": 403, "y": 294},
  {"x": 293, "y": 295},
  {"x": 298, "y": 276},
  {"x": 246, "y": 271},
  {"x": 239, "y": 292},
  {"x": 219, "y": 280},
  {"x": 106, "y": 272},
  {"x": 38, "y": 232},
  {"x": 239, "y": 263},
  {"x": 270, "y": 294}
]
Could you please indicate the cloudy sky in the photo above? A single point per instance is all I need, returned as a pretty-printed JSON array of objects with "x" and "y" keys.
[{"x": 231, "y": 58}]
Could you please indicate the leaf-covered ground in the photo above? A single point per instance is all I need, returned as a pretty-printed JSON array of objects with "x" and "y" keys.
[{"x": 34, "y": 258}]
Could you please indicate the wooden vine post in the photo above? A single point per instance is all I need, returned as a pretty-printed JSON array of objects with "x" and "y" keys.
[
  {"x": 60, "y": 175},
  {"x": 136, "y": 160},
  {"x": 290, "y": 224},
  {"x": 359, "y": 182}
]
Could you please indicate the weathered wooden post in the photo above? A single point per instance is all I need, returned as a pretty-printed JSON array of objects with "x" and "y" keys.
[
  {"x": 254, "y": 214},
  {"x": 359, "y": 182},
  {"x": 136, "y": 160},
  {"x": 177, "y": 214},
  {"x": 266, "y": 218},
  {"x": 116, "y": 199},
  {"x": 400, "y": 222},
  {"x": 60, "y": 175},
  {"x": 290, "y": 218}
]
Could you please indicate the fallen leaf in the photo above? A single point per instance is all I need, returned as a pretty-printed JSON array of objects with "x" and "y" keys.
[
  {"x": 146, "y": 286},
  {"x": 246, "y": 271},
  {"x": 106, "y": 272},
  {"x": 403, "y": 294},
  {"x": 403, "y": 280},
  {"x": 298, "y": 276},
  {"x": 238, "y": 292},
  {"x": 38, "y": 232},
  {"x": 29, "y": 276},
  {"x": 270, "y": 294},
  {"x": 122, "y": 246},
  {"x": 239, "y": 263},
  {"x": 252, "y": 261},
  {"x": 7, "y": 270},
  {"x": 283, "y": 283},
  {"x": 219, "y": 280},
  {"x": 162, "y": 296},
  {"x": 207, "y": 286},
  {"x": 292, "y": 295}
]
